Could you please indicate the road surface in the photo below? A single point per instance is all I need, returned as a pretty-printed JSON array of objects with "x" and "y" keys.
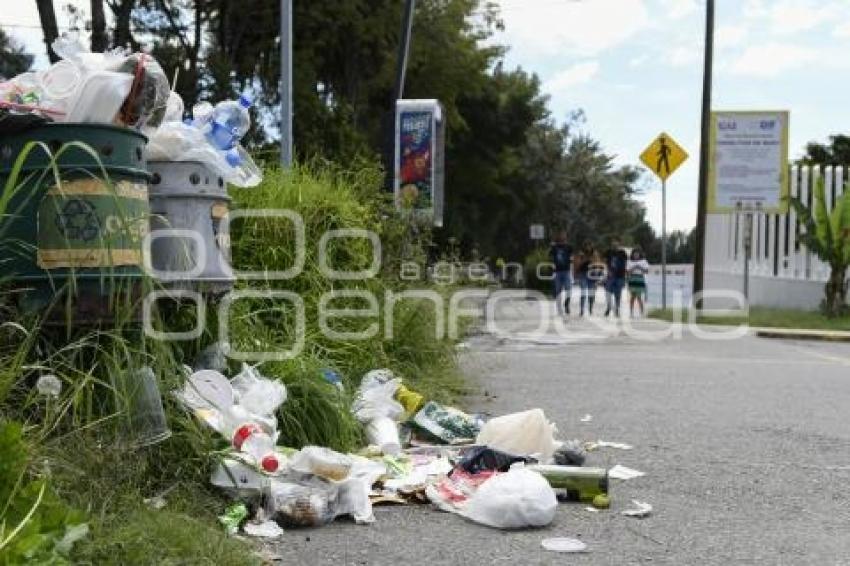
[{"x": 745, "y": 444}]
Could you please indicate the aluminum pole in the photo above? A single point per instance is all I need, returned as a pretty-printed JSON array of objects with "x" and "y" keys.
[{"x": 286, "y": 83}]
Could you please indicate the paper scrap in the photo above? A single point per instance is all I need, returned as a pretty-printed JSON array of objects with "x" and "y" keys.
[
  {"x": 619, "y": 472},
  {"x": 640, "y": 509},
  {"x": 590, "y": 446},
  {"x": 266, "y": 529},
  {"x": 587, "y": 418}
]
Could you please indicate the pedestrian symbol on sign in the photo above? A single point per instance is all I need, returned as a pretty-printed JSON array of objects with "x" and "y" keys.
[{"x": 663, "y": 156}]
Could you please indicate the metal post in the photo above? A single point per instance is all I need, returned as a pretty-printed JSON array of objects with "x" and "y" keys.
[
  {"x": 748, "y": 246},
  {"x": 286, "y": 83},
  {"x": 664, "y": 244},
  {"x": 404, "y": 49},
  {"x": 702, "y": 198}
]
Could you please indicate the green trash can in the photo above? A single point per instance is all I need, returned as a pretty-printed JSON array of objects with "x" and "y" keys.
[{"x": 75, "y": 231}]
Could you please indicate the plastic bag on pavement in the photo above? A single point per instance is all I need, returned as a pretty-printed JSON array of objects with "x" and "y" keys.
[
  {"x": 528, "y": 433},
  {"x": 516, "y": 499},
  {"x": 447, "y": 424},
  {"x": 481, "y": 458},
  {"x": 303, "y": 504},
  {"x": 376, "y": 397}
]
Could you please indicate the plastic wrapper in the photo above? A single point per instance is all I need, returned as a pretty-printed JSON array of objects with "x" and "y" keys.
[
  {"x": 146, "y": 104},
  {"x": 528, "y": 433},
  {"x": 482, "y": 458},
  {"x": 322, "y": 462},
  {"x": 292, "y": 504},
  {"x": 447, "y": 424}
]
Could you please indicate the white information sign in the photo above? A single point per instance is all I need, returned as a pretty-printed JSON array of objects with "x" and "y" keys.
[{"x": 748, "y": 167}]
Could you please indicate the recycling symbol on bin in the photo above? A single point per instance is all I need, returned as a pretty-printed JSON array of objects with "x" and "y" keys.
[{"x": 78, "y": 221}]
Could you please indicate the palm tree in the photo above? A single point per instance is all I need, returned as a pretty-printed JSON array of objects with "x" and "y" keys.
[{"x": 827, "y": 235}]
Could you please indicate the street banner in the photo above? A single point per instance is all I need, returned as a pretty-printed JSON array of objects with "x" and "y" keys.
[
  {"x": 419, "y": 158},
  {"x": 748, "y": 162}
]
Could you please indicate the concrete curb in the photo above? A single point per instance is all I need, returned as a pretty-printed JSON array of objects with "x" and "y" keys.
[{"x": 800, "y": 334}]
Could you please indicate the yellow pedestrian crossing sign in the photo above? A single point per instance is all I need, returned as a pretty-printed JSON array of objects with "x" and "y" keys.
[{"x": 663, "y": 156}]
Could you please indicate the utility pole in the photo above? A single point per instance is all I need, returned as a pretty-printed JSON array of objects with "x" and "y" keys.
[
  {"x": 702, "y": 198},
  {"x": 404, "y": 49},
  {"x": 286, "y": 83}
]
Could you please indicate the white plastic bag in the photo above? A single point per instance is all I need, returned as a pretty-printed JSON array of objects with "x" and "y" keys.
[
  {"x": 525, "y": 434},
  {"x": 516, "y": 499},
  {"x": 376, "y": 398}
]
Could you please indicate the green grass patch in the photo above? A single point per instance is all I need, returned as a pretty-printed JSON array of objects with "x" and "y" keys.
[{"x": 761, "y": 317}]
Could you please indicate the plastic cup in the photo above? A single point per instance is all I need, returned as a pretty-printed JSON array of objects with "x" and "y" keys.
[{"x": 383, "y": 432}]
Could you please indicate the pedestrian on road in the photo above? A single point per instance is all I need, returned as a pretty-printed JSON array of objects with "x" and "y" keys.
[
  {"x": 561, "y": 254},
  {"x": 637, "y": 269},
  {"x": 588, "y": 258},
  {"x": 616, "y": 261}
]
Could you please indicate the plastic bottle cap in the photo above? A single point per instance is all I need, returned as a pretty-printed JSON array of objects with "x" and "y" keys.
[
  {"x": 233, "y": 158},
  {"x": 245, "y": 100},
  {"x": 270, "y": 463}
]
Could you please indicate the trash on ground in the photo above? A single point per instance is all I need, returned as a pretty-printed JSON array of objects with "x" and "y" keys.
[
  {"x": 640, "y": 509},
  {"x": 49, "y": 385},
  {"x": 233, "y": 517},
  {"x": 410, "y": 400},
  {"x": 591, "y": 446},
  {"x": 516, "y": 499},
  {"x": 376, "y": 407},
  {"x": 601, "y": 501},
  {"x": 156, "y": 503},
  {"x": 563, "y": 544},
  {"x": 333, "y": 378},
  {"x": 587, "y": 418},
  {"x": 570, "y": 453},
  {"x": 619, "y": 472},
  {"x": 447, "y": 424},
  {"x": 528, "y": 433},
  {"x": 264, "y": 529},
  {"x": 481, "y": 458},
  {"x": 239, "y": 479},
  {"x": 591, "y": 509},
  {"x": 580, "y": 484}
]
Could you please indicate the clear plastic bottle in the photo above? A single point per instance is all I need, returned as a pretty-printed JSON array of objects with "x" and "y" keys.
[{"x": 228, "y": 123}]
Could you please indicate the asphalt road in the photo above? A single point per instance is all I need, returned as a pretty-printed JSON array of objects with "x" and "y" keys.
[{"x": 745, "y": 444}]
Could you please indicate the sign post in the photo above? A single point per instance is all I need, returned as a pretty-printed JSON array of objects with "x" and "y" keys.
[
  {"x": 537, "y": 232},
  {"x": 663, "y": 157}
]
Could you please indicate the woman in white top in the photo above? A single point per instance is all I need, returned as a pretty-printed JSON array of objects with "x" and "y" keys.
[{"x": 637, "y": 269}]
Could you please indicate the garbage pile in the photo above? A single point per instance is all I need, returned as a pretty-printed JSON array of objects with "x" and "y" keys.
[
  {"x": 507, "y": 472},
  {"x": 126, "y": 89}
]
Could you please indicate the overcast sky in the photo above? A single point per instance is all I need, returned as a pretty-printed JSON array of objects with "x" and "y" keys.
[{"x": 635, "y": 68}]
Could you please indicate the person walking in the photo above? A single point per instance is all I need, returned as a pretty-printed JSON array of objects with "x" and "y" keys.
[
  {"x": 561, "y": 255},
  {"x": 616, "y": 261},
  {"x": 637, "y": 270},
  {"x": 588, "y": 258}
]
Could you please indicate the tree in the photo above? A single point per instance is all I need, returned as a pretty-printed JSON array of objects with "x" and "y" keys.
[
  {"x": 836, "y": 152},
  {"x": 827, "y": 235},
  {"x": 14, "y": 60}
]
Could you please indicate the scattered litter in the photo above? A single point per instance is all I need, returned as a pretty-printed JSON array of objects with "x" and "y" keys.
[
  {"x": 619, "y": 472},
  {"x": 49, "y": 385},
  {"x": 591, "y": 509},
  {"x": 586, "y": 418},
  {"x": 591, "y": 446},
  {"x": 233, "y": 517},
  {"x": 573, "y": 482},
  {"x": 602, "y": 501},
  {"x": 265, "y": 529},
  {"x": 480, "y": 458},
  {"x": 640, "y": 509},
  {"x": 376, "y": 407},
  {"x": 156, "y": 503},
  {"x": 447, "y": 424},
  {"x": 570, "y": 453},
  {"x": 528, "y": 433},
  {"x": 562, "y": 544},
  {"x": 322, "y": 462}
]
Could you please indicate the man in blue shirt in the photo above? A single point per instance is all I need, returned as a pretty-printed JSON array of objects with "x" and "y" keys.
[
  {"x": 561, "y": 255},
  {"x": 615, "y": 260}
]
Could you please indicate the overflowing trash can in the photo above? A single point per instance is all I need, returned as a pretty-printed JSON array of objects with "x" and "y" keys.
[
  {"x": 189, "y": 202},
  {"x": 76, "y": 213}
]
